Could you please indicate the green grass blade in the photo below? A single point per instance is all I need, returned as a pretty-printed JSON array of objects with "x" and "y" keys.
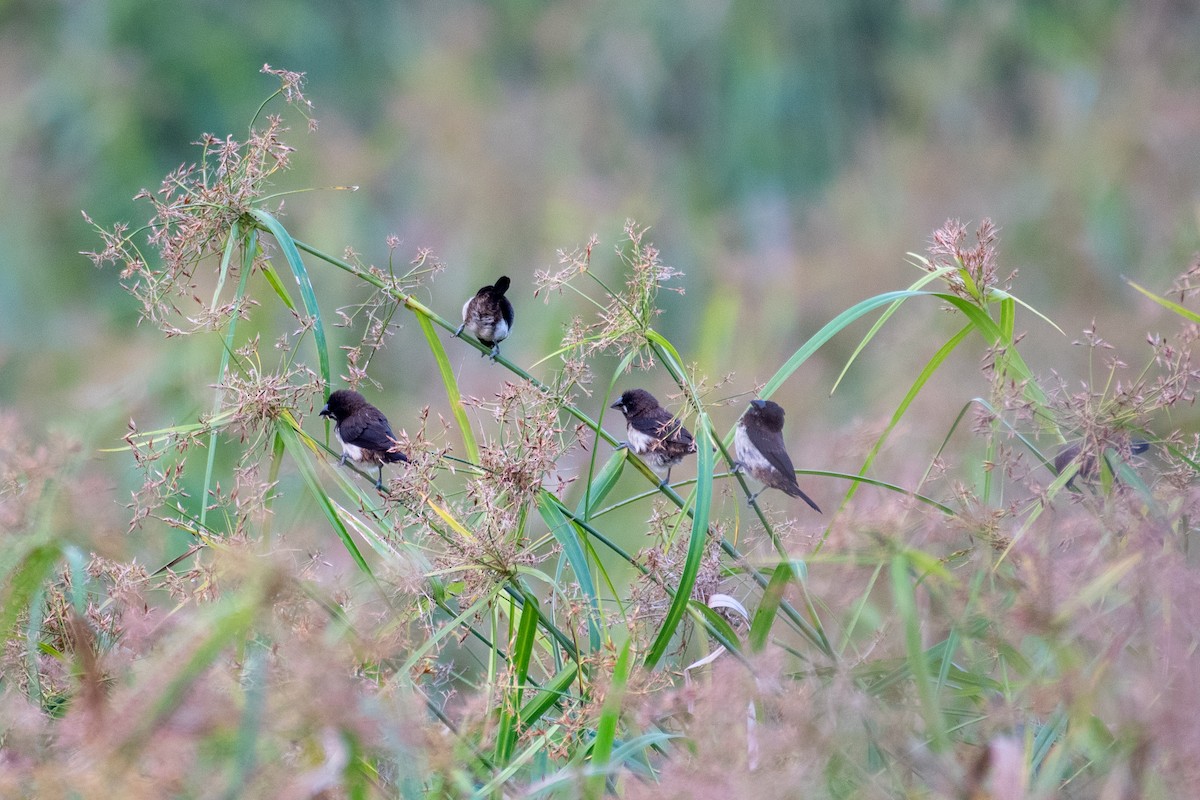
[
  {"x": 451, "y": 383},
  {"x": 1000, "y": 294},
  {"x": 995, "y": 335},
  {"x": 1186, "y": 313},
  {"x": 883, "y": 318},
  {"x": 569, "y": 776},
  {"x": 23, "y": 581},
  {"x": 923, "y": 377},
  {"x": 918, "y": 663},
  {"x": 223, "y": 371},
  {"x": 859, "y": 607},
  {"x": 977, "y": 316},
  {"x": 549, "y": 695},
  {"x": 764, "y": 615},
  {"x": 34, "y": 646},
  {"x": 292, "y": 255},
  {"x": 254, "y": 678},
  {"x": 568, "y": 538},
  {"x": 696, "y": 546},
  {"x": 450, "y": 628},
  {"x": 662, "y": 341},
  {"x": 276, "y": 283},
  {"x": 1046, "y": 737},
  {"x": 520, "y": 654},
  {"x": 301, "y": 458},
  {"x": 606, "y": 727},
  {"x": 601, "y": 485},
  {"x": 715, "y": 625},
  {"x": 831, "y": 328}
]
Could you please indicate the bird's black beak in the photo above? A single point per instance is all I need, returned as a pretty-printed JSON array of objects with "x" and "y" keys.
[
  {"x": 616, "y": 405},
  {"x": 325, "y": 412},
  {"x": 758, "y": 403}
]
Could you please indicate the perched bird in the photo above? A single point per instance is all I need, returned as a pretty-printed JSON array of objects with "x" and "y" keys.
[
  {"x": 758, "y": 443},
  {"x": 654, "y": 435},
  {"x": 1087, "y": 471},
  {"x": 362, "y": 430},
  {"x": 488, "y": 316}
]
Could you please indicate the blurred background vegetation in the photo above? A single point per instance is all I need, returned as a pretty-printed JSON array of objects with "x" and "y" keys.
[{"x": 786, "y": 157}]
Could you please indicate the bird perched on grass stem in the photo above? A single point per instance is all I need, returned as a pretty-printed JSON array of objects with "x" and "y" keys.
[
  {"x": 362, "y": 430},
  {"x": 488, "y": 316},
  {"x": 758, "y": 443},
  {"x": 654, "y": 435}
]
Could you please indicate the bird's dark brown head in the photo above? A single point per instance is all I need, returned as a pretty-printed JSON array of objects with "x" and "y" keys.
[
  {"x": 342, "y": 404},
  {"x": 502, "y": 284},
  {"x": 635, "y": 402},
  {"x": 766, "y": 413}
]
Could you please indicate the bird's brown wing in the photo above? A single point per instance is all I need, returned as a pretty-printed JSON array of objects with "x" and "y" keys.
[
  {"x": 368, "y": 428},
  {"x": 770, "y": 444},
  {"x": 664, "y": 428}
]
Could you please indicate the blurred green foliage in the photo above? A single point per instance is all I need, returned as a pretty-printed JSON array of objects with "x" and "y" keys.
[{"x": 785, "y": 150}]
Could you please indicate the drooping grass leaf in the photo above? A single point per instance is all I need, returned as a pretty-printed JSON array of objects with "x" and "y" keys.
[
  {"x": 307, "y": 295},
  {"x": 451, "y": 384},
  {"x": 696, "y": 547},
  {"x": 301, "y": 458},
  {"x": 914, "y": 389},
  {"x": 601, "y": 485},
  {"x": 567, "y": 537},
  {"x": 606, "y": 727},
  {"x": 883, "y": 318},
  {"x": 918, "y": 664},
  {"x": 519, "y": 655},
  {"x": 1186, "y": 313},
  {"x": 827, "y": 332},
  {"x": 764, "y": 615}
]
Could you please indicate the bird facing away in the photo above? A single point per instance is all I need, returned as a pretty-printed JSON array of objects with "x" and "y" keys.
[
  {"x": 758, "y": 443},
  {"x": 1087, "y": 465},
  {"x": 362, "y": 430},
  {"x": 488, "y": 316},
  {"x": 653, "y": 434}
]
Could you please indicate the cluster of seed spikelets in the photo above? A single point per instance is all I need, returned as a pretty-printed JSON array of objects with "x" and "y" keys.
[
  {"x": 663, "y": 561},
  {"x": 1116, "y": 663},
  {"x": 253, "y": 401},
  {"x": 128, "y": 692},
  {"x": 256, "y": 398},
  {"x": 194, "y": 209},
  {"x": 1100, "y": 588},
  {"x": 515, "y": 462},
  {"x": 625, "y": 315},
  {"x": 149, "y": 709},
  {"x": 375, "y": 315}
]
